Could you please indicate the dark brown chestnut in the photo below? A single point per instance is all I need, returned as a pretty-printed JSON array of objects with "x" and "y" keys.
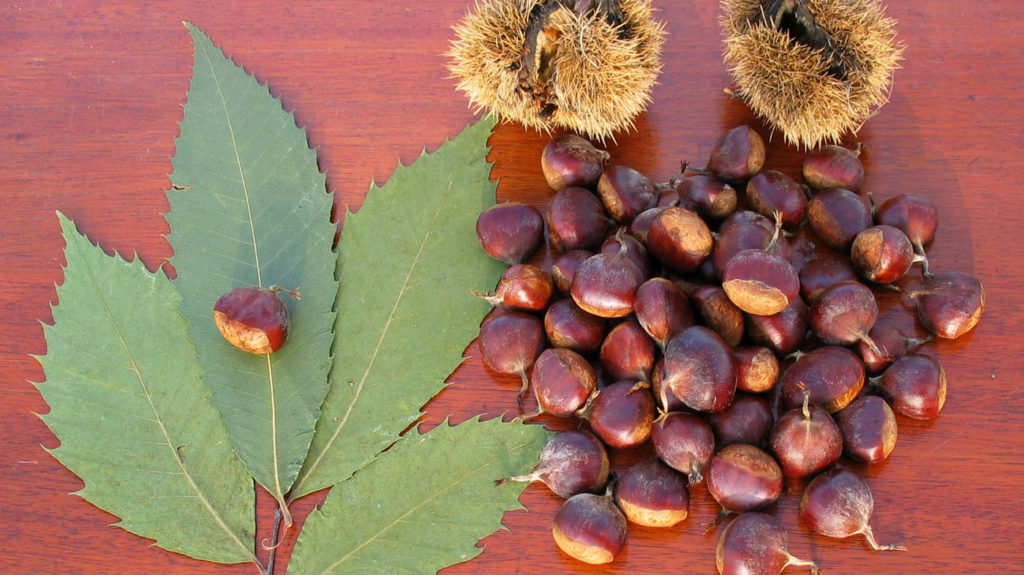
[
  {"x": 625, "y": 192},
  {"x": 837, "y": 215},
  {"x": 833, "y": 376},
  {"x": 756, "y": 543},
  {"x": 572, "y": 461},
  {"x": 869, "y": 429},
  {"x": 621, "y": 413},
  {"x": 833, "y": 166},
  {"x": 510, "y": 232},
  {"x": 737, "y": 155},
  {"x": 700, "y": 369},
  {"x": 806, "y": 440},
  {"x": 743, "y": 477},
  {"x": 576, "y": 220},
  {"x": 510, "y": 342},
  {"x": 652, "y": 494},
  {"x": 679, "y": 239},
  {"x": 567, "y": 325},
  {"x": 562, "y": 382},
  {"x": 569, "y": 160},
  {"x": 684, "y": 441},
  {"x": 839, "y": 504},
  {"x": 590, "y": 528}
]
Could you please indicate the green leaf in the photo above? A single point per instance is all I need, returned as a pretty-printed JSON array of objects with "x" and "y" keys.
[
  {"x": 249, "y": 207},
  {"x": 134, "y": 420},
  {"x": 423, "y": 504},
  {"x": 408, "y": 261}
]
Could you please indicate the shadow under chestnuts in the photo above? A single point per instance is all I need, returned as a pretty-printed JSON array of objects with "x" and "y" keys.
[{"x": 743, "y": 346}]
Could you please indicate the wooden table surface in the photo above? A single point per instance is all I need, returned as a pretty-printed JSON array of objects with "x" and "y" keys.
[{"x": 90, "y": 100}]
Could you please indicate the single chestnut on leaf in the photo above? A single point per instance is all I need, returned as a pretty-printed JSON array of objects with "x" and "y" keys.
[{"x": 253, "y": 318}]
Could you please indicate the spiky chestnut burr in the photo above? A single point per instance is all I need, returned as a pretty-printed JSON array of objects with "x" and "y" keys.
[
  {"x": 586, "y": 67},
  {"x": 813, "y": 69}
]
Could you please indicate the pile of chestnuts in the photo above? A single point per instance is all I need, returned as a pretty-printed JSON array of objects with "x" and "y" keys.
[{"x": 728, "y": 320}]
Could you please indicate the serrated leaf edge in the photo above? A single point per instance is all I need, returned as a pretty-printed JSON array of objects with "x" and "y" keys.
[
  {"x": 487, "y": 124},
  {"x": 69, "y": 226},
  {"x": 409, "y": 437}
]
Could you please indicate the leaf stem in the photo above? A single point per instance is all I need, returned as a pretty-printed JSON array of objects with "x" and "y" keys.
[{"x": 275, "y": 538}]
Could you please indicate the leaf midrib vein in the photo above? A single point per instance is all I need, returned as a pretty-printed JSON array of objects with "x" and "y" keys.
[
  {"x": 158, "y": 419},
  {"x": 376, "y": 350},
  {"x": 400, "y": 519},
  {"x": 275, "y": 465}
]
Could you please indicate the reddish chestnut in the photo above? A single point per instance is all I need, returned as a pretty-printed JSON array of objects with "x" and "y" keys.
[
  {"x": 510, "y": 342},
  {"x": 738, "y": 155},
  {"x": 742, "y": 477},
  {"x": 662, "y": 309},
  {"x": 679, "y": 239},
  {"x": 756, "y": 543},
  {"x": 566, "y": 325},
  {"x": 572, "y": 461},
  {"x": 711, "y": 198},
  {"x": 869, "y": 429},
  {"x": 605, "y": 284},
  {"x": 748, "y": 419},
  {"x": 569, "y": 160},
  {"x": 562, "y": 381},
  {"x": 837, "y": 215},
  {"x": 832, "y": 375},
  {"x": 575, "y": 220},
  {"x": 915, "y": 215},
  {"x": 627, "y": 352},
  {"x": 772, "y": 192},
  {"x": 253, "y": 319},
  {"x": 510, "y": 232},
  {"x": 684, "y": 441},
  {"x": 844, "y": 314},
  {"x": 625, "y": 193},
  {"x": 839, "y": 504},
  {"x": 590, "y": 528},
  {"x": 824, "y": 270},
  {"x": 833, "y": 166},
  {"x": 806, "y": 440},
  {"x": 882, "y": 254},
  {"x": 652, "y": 494},
  {"x": 700, "y": 369},
  {"x": 915, "y": 384},
  {"x": 522, "y": 286},
  {"x": 950, "y": 304},
  {"x": 621, "y": 413}
]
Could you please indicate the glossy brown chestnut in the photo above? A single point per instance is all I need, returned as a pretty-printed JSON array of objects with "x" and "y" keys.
[
  {"x": 756, "y": 543},
  {"x": 253, "y": 319},
  {"x": 569, "y": 160},
  {"x": 572, "y": 461},
  {"x": 839, "y": 504},
  {"x": 652, "y": 494},
  {"x": 700, "y": 369},
  {"x": 737, "y": 155},
  {"x": 510, "y": 232},
  {"x": 590, "y": 528}
]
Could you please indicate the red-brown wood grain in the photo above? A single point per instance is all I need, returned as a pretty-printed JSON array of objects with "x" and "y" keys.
[{"x": 90, "y": 99}]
